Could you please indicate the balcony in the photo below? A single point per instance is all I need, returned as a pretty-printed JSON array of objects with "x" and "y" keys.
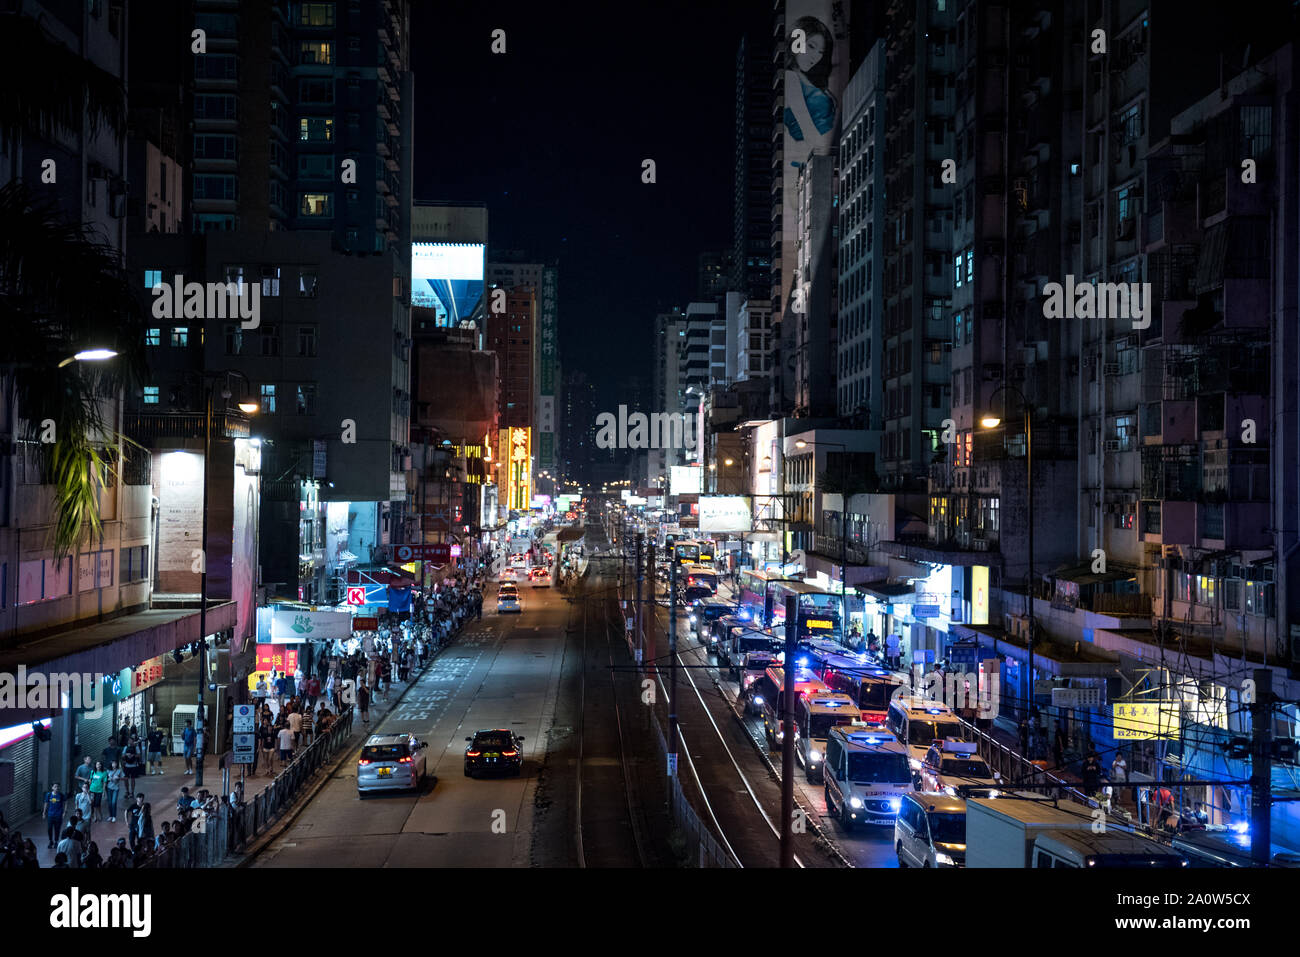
[{"x": 145, "y": 426}]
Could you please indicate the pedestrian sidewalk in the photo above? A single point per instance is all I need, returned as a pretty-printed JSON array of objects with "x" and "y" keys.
[{"x": 162, "y": 790}]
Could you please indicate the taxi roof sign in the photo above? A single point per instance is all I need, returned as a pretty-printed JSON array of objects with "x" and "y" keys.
[{"x": 957, "y": 746}]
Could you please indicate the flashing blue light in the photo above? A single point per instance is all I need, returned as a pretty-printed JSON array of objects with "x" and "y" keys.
[
  {"x": 895, "y": 804},
  {"x": 803, "y": 662},
  {"x": 873, "y": 740},
  {"x": 1240, "y": 827},
  {"x": 935, "y": 711}
]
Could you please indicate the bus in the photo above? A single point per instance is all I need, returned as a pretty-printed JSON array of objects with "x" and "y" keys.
[
  {"x": 687, "y": 552},
  {"x": 871, "y": 687},
  {"x": 818, "y": 610},
  {"x": 708, "y": 551},
  {"x": 755, "y": 603}
]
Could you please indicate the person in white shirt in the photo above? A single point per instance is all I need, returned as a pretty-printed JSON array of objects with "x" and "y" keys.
[
  {"x": 285, "y": 738},
  {"x": 260, "y": 690},
  {"x": 295, "y": 726}
]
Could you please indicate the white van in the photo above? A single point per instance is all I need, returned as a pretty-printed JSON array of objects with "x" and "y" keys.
[
  {"x": 866, "y": 774},
  {"x": 930, "y": 831},
  {"x": 919, "y": 722}
]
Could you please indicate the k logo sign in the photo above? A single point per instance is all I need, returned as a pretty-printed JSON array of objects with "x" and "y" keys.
[{"x": 356, "y": 596}]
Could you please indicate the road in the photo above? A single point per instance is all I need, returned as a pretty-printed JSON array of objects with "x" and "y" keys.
[
  {"x": 707, "y": 687},
  {"x": 524, "y": 672}
]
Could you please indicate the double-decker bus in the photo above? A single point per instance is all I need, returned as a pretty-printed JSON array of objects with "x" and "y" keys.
[
  {"x": 818, "y": 610},
  {"x": 755, "y": 602},
  {"x": 687, "y": 552}
]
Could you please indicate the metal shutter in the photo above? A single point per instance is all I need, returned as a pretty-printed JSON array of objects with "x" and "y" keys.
[{"x": 21, "y": 804}]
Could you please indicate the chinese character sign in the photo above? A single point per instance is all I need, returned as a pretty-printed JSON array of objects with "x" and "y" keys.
[{"x": 277, "y": 657}]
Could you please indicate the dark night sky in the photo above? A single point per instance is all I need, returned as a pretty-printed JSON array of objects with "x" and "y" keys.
[{"x": 551, "y": 135}]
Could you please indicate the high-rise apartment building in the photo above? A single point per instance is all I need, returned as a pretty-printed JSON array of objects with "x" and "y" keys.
[{"x": 861, "y": 225}]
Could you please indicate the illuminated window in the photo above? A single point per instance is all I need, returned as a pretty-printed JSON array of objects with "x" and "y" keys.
[
  {"x": 316, "y": 129},
  {"x": 180, "y": 336},
  {"x": 151, "y": 395},
  {"x": 316, "y": 204},
  {"x": 268, "y": 400},
  {"x": 153, "y": 337},
  {"x": 319, "y": 52}
]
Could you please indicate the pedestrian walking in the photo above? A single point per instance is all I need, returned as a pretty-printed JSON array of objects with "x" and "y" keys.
[
  {"x": 286, "y": 746},
  {"x": 70, "y": 846},
  {"x": 295, "y": 725},
  {"x": 132, "y": 763},
  {"x": 1119, "y": 775},
  {"x": 187, "y": 745},
  {"x": 52, "y": 810},
  {"x": 112, "y": 787},
  {"x": 112, "y": 751},
  {"x": 892, "y": 648},
  {"x": 85, "y": 803},
  {"x": 1091, "y": 774},
  {"x": 98, "y": 783},
  {"x": 363, "y": 704},
  {"x": 266, "y": 740},
  {"x": 154, "y": 746},
  {"x": 82, "y": 775},
  {"x": 143, "y": 824}
]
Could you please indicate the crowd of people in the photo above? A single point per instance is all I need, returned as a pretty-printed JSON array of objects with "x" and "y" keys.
[{"x": 294, "y": 710}]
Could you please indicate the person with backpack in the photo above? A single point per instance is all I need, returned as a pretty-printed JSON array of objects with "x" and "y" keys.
[
  {"x": 52, "y": 811},
  {"x": 132, "y": 763}
]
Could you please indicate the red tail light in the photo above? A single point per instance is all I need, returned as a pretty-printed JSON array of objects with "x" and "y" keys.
[
  {"x": 404, "y": 760},
  {"x": 472, "y": 754},
  {"x": 509, "y": 754},
  {"x": 364, "y": 761}
]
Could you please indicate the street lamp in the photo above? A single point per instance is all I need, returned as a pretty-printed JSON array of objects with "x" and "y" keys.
[
  {"x": 991, "y": 421},
  {"x": 248, "y": 407},
  {"x": 89, "y": 355},
  {"x": 844, "y": 530}
]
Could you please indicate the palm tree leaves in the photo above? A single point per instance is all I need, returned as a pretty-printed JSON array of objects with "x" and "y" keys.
[
  {"x": 49, "y": 85},
  {"x": 62, "y": 289}
]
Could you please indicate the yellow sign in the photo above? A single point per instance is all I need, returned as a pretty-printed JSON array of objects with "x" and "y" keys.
[
  {"x": 979, "y": 595},
  {"x": 515, "y": 472},
  {"x": 818, "y": 623},
  {"x": 1134, "y": 720}
]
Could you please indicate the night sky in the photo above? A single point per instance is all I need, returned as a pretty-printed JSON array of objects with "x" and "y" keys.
[{"x": 552, "y": 134}]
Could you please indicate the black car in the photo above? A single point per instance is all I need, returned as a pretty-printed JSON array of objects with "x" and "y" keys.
[{"x": 498, "y": 751}]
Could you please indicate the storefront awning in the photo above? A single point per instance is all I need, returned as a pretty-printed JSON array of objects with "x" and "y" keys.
[
  {"x": 395, "y": 577},
  {"x": 886, "y": 592}
]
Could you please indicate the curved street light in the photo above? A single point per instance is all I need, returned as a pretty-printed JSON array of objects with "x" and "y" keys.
[
  {"x": 89, "y": 355},
  {"x": 992, "y": 421}
]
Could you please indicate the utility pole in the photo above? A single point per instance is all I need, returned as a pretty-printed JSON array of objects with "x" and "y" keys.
[
  {"x": 787, "y": 733},
  {"x": 203, "y": 592},
  {"x": 672, "y": 670},
  {"x": 647, "y": 653},
  {"x": 636, "y": 611},
  {"x": 1261, "y": 769}
]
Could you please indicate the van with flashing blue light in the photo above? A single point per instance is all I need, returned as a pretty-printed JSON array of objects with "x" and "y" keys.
[
  {"x": 919, "y": 722},
  {"x": 871, "y": 686},
  {"x": 815, "y": 716},
  {"x": 866, "y": 776}
]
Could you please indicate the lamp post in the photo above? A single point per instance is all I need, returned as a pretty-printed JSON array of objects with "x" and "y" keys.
[
  {"x": 990, "y": 421},
  {"x": 248, "y": 408},
  {"x": 844, "y": 529}
]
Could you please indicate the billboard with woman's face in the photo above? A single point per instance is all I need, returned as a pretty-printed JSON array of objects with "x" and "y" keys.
[{"x": 816, "y": 73}]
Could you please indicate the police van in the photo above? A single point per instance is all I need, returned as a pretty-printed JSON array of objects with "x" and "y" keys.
[
  {"x": 815, "y": 715},
  {"x": 702, "y": 616},
  {"x": 751, "y": 673},
  {"x": 919, "y": 722},
  {"x": 867, "y": 776},
  {"x": 771, "y": 689}
]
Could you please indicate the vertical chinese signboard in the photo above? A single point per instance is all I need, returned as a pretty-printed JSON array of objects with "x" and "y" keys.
[{"x": 546, "y": 373}]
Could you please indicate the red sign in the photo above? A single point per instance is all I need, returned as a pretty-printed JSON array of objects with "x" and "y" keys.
[
  {"x": 356, "y": 596},
  {"x": 439, "y": 554},
  {"x": 279, "y": 657},
  {"x": 147, "y": 674},
  {"x": 365, "y": 624}
]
